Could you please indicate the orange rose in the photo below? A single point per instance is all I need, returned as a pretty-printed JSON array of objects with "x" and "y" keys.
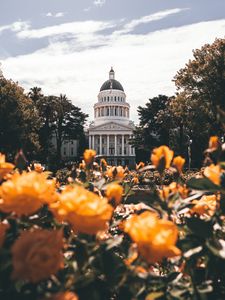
[
  {"x": 173, "y": 188},
  {"x": 140, "y": 165},
  {"x": 25, "y": 193},
  {"x": 38, "y": 168},
  {"x": 205, "y": 206},
  {"x": 5, "y": 167},
  {"x": 214, "y": 143},
  {"x": 114, "y": 193},
  {"x": 89, "y": 156},
  {"x": 161, "y": 157},
  {"x": 178, "y": 162},
  {"x": 63, "y": 296},
  {"x": 37, "y": 254},
  {"x": 3, "y": 228},
  {"x": 84, "y": 210},
  {"x": 156, "y": 239},
  {"x": 213, "y": 173},
  {"x": 117, "y": 173},
  {"x": 135, "y": 180}
]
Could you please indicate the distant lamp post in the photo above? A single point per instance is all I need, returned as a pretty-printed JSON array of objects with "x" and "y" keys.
[{"x": 189, "y": 153}]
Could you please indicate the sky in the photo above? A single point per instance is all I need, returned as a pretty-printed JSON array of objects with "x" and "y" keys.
[{"x": 68, "y": 46}]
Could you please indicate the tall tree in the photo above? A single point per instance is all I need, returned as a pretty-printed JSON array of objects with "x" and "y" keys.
[
  {"x": 19, "y": 122},
  {"x": 60, "y": 119},
  {"x": 202, "y": 82},
  {"x": 68, "y": 122},
  {"x": 201, "y": 92},
  {"x": 152, "y": 131}
]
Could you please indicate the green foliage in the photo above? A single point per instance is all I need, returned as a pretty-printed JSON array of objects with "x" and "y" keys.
[
  {"x": 59, "y": 118},
  {"x": 19, "y": 121},
  {"x": 152, "y": 130}
]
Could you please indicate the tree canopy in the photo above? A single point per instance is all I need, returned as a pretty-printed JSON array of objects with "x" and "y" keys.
[{"x": 19, "y": 120}]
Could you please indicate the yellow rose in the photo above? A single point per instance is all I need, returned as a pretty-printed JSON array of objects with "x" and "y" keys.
[
  {"x": 140, "y": 165},
  {"x": 89, "y": 156},
  {"x": 114, "y": 193},
  {"x": 214, "y": 143},
  {"x": 117, "y": 173},
  {"x": 213, "y": 173},
  {"x": 161, "y": 157},
  {"x": 173, "y": 188},
  {"x": 178, "y": 162},
  {"x": 37, "y": 254},
  {"x": 85, "y": 211},
  {"x": 205, "y": 206},
  {"x": 38, "y": 168},
  {"x": 25, "y": 193},
  {"x": 156, "y": 239},
  {"x": 5, "y": 167}
]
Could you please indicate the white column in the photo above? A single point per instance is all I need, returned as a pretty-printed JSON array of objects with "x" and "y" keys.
[
  {"x": 100, "y": 152},
  {"x": 107, "y": 145},
  {"x": 93, "y": 142},
  {"x": 90, "y": 147},
  {"x": 130, "y": 148},
  {"x": 123, "y": 145},
  {"x": 115, "y": 144}
]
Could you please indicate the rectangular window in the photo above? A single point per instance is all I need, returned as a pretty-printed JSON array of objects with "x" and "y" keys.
[
  {"x": 71, "y": 151},
  {"x": 64, "y": 151}
]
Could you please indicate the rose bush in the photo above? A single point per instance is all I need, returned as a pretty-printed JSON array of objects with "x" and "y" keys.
[{"x": 106, "y": 232}]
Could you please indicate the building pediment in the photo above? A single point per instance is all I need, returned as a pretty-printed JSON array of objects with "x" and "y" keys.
[{"x": 112, "y": 126}]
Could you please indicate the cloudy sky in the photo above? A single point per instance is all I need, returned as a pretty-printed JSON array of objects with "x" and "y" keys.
[{"x": 68, "y": 46}]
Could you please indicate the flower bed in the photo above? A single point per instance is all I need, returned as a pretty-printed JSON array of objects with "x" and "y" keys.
[{"x": 104, "y": 232}]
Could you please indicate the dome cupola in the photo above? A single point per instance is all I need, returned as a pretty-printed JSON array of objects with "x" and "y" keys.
[{"x": 112, "y": 83}]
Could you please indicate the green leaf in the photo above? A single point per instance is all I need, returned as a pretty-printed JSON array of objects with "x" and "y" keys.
[
  {"x": 200, "y": 227},
  {"x": 202, "y": 184}
]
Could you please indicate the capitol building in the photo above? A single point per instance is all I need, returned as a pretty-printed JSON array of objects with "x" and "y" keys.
[{"x": 112, "y": 128}]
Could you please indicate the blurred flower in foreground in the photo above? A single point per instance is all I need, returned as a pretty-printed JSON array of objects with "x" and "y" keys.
[
  {"x": 25, "y": 193},
  {"x": 156, "y": 239},
  {"x": 161, "y": 157},
  {"x": 84, "y": 210},
  {"x": 114, "y": 193},
  {"x": 3, "y": 228},
  {"x": 89, "y": 156},
  {"x": 37, "y": 254},
  {"x": 213, "y": 173},
  {"x": 5, "y": 167}
]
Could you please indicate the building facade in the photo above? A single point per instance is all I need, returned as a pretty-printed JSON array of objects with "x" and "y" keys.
[
  {"x": 112, "y": 128},
  {"x": 69, "y": 149}
]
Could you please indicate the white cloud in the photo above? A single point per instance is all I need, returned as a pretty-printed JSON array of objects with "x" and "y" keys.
[
  {"x": 16, "y": 26},
  {"x": 56, "y": 15},
  {"x": 99, "y": 3},
  {"x": 145, "y": 63},
  {"x": 129, "y": 27},
  {"x": 75, "y": 28}
]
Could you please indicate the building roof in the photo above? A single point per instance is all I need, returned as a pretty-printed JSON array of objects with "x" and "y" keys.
[{"x": 111, "y": 84}]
